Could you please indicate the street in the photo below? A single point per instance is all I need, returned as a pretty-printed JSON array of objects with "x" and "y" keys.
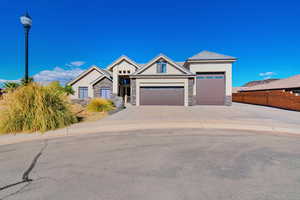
[{"x": 155, "y": 164}]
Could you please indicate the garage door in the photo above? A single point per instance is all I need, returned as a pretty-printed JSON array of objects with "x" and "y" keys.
[
  {"x": 161, "y": 96},
  {"x": 210, "y": 89}
]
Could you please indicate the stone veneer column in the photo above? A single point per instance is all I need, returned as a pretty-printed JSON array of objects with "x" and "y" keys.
[
  {"x": 133, "y": 91},
  {"x": 228, "y": 100},
  {"x": 191, "y": 98}
]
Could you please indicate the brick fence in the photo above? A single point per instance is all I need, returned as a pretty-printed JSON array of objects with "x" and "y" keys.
[{"x": 274, "y": 98}]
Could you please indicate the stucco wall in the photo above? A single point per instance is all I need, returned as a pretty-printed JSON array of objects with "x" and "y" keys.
[
  {"x": 122, "y": 66},
  {"x": 162, "y": 82},
  {"x": 153, "y": 69},
  {"x": 86, "y": 82},
  {"x": 215, "y": 67}
]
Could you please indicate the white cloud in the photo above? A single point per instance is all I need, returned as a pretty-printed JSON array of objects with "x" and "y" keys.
[
  {"x": 4, "y": 81},
  {"x": 75, "y": 64},
  {"x": 57, "y": 74},
  {"x": 268, "y": 74}
]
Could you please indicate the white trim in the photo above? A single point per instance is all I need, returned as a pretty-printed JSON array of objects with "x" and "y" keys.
[
  {"x": 161, "y": 56},
  {"x": 162, "y": 82},
  {"x": 111, "y": 66},
  {"x": 80, "y": 76}
]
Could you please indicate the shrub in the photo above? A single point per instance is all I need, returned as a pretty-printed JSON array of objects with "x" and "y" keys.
[
  {"x": 57, "y": 86},
  {"x": 34, "y": 108},
  {"x": 100, "y": 105}
]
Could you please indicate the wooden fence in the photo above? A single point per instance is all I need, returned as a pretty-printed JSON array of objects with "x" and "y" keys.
[{"x": 274, "y": 98}]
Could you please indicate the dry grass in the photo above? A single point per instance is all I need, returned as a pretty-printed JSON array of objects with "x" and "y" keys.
[
  {"x": 84, "y": 115},
  {"x": 34, "y": 108},
  {"x": 100, "y": 105}
]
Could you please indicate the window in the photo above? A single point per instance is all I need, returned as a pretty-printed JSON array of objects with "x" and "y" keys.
[
  {"x": 120, "y": 72},
  {"x": 83, "y": 92},
  {"x": 161, "y": 67},
  {"x": 128, "y": 71},
  {"x": 105, "y": 93}
]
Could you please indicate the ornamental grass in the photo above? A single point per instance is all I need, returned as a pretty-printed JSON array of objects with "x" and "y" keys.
[
  {"x": 32, "y": 108},
  {"x": 100, "y": 105}
]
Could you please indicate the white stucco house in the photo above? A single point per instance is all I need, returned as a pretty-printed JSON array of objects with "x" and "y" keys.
[{"x": 203, "y": 79}]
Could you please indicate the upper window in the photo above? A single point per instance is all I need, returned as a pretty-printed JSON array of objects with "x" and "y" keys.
[
  {"x": 83, "y": 92},
  {"x": 161, "y": 67}
]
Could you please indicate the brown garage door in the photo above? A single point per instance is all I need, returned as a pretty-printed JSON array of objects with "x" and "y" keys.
[
  {"x": 210, "y": 89},
  {"x": 162, "y": 96}
]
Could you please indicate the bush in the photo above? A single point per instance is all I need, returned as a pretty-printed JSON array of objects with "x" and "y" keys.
[
  {"x": 100, "y": 105},
  {"x": 57, "y": 86},
  {"x": 34, "y": 108}
]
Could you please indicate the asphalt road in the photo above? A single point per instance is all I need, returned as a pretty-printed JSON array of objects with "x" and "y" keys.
[{"x": 154, "y": 164}]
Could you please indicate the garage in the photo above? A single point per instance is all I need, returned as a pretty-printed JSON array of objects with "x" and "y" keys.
[
  {"x": 210, "y": 89},
  {"x": 162, "y": 95}
]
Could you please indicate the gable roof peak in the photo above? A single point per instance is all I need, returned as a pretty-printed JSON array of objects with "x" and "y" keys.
[
  {"x": 86, "y": 72},
  {"x": 209, "y": 55},
  {"x": 159, "y": 56},
  {"x": 121, "y": 58}
]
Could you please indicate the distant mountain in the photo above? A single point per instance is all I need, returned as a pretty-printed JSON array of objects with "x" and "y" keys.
[{"x": 259, "y": 82}]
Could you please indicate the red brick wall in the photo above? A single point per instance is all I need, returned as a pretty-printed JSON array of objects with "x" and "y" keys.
[{"x": 275, "y": 98}]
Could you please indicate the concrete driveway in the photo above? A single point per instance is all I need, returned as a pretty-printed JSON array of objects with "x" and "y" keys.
[
  {"x": 235, "y": 117},
  {"x": 167, "y": 164},
  {"x": 238, "y": 111}
]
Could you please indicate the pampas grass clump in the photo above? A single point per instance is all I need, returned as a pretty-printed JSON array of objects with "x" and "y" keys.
[
  {"x": 100, "y": 105},
  {"x": 33, "y": 108}
]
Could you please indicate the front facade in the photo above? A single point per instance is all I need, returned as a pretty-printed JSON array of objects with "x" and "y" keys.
[{"x": 203, "y": 79}]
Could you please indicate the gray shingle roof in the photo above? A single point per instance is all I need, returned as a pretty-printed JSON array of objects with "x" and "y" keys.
[{"x": 207, "y": 55}]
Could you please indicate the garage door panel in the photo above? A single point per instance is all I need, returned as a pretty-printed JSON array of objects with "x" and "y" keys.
[
  {"x": 161, "y": 96},
  {"x": 210, "y": 89}
]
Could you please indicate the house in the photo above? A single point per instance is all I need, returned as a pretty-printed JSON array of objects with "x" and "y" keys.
[
  {"x": 203, "y": 79},
  {"x": 291, "y": 84}
]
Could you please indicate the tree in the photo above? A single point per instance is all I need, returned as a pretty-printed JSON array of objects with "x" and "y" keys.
[
  {"x": 64, "y": 89},
  {"x": 30, "y": 80},
  {"x": 69, "y": 90},
  {"x": 10, "y": 86}
]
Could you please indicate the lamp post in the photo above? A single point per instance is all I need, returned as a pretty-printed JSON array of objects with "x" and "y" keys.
[{"x": 27, "y": 22}]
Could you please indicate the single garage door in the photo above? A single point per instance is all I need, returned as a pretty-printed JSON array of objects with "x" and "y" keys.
[
  {"x": 210, "y": 89},
  {"x": 162, "y": 95}
]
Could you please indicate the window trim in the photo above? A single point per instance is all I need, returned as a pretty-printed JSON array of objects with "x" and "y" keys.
[
  {"x": 107, "y": 89},
  {"x": 79, "y": 92},
  {"x": 159, "y": 67}
]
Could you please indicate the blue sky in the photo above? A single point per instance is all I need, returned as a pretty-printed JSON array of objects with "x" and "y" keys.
[{"x": 68, "y": 35}]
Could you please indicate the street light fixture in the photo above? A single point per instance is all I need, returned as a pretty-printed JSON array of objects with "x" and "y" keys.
[{"x": 27, "y": 22}]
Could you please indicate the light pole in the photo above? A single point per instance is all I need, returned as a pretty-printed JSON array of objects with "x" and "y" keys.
[{"x": 27, "y": 22}]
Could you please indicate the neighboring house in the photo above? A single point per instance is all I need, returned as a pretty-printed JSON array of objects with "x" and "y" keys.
[
  {"x": 203, "y": 79},
  {"x": 287, "y": 84}
]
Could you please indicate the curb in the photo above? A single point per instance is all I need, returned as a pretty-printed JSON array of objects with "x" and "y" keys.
[{"x": 113, "y": 127}]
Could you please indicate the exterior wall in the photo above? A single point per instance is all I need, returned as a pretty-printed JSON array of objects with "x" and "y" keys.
[
  {"x": 170, "y": 69},
  {"x": 103, "y": 83},
  {"x": 215, "y": 67},
  {"x": 122, "y": 66},
  {"x": 162, "y": 82},
  {"x": 86, "y": 82}
]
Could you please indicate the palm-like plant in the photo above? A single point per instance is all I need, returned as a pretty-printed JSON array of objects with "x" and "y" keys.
[{"x": 10, "y": 86}]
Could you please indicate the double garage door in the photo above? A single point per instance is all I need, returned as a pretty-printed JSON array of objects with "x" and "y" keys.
[{"x": 162, "y": 95}]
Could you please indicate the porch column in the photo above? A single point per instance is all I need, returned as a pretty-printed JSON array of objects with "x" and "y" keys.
[{"x": 115, "y": 83}]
